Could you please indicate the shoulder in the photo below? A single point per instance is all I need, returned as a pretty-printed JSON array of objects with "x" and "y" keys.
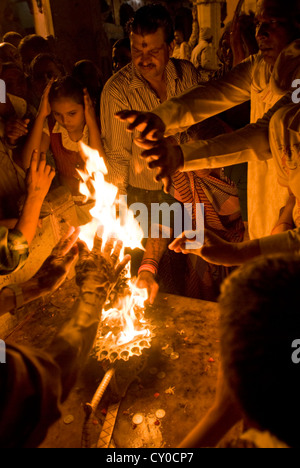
[
  {"x": 118, "y": 82},
  {"x": 184, "y": 68},
  {"x": 286, "y": 116}
]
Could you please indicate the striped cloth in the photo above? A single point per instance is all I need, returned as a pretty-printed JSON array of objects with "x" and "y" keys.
[
  {"x": 200, "y": 279},
  {"x": 128, "y": 90}
]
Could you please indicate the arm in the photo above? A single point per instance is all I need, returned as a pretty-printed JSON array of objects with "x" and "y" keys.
[
  {"x": 117, "y": 141},
  {"x": 91, "y": 121},
  {"x": 37, "y": 139},
  {"x": 155, "y": 249},
  {"x": 286, "y": 221},
  {"x": 39, "y": 181},
  {"x": 47, "y": 280}
]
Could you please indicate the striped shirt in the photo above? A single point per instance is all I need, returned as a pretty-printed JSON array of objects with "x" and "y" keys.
[{"x": 128, "y": 90}]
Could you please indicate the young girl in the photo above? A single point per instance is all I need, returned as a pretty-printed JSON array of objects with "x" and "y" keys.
[{"x": 66, "y": 116}]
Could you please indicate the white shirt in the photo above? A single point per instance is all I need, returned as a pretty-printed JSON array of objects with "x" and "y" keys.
[{"x": 253, "y": 79}]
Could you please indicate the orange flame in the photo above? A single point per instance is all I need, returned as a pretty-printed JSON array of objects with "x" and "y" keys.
[{"x": 104, "y": 216}]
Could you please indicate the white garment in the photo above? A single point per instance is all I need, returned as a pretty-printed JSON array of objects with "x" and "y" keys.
[
  {"x": 202, "y": 56},
  {"x": 253, "y": 79},
  {"x": 66, "y": 140}
]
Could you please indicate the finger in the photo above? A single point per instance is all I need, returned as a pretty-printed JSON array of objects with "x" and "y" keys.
[
  {"x": 116, "y": 253},
  {"x": 177, "y": 242},
  {"x": 127, "y": 115},
  {"x": 146, "y": 144},
  {"x": 71, "y": 257},
  {"x": 153, "y": 293},
  {"x": 122, "y": 265},
  {"x": 167, "y": 181},
  {"x": 151, "y": 132},
  {"x": 83, "y": 250},
  {"x": 42, "y": 163},
  {"x": 109, "y": 246},
  {"x": 140, "y": 124},
  {"x": 34, "y": 160},
  {"x": 67, "y": 242},
  {"x": 97, "y": 248}
]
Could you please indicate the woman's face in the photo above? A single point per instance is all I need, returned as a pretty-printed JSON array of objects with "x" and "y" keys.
[{"x": 69, "y": 114}]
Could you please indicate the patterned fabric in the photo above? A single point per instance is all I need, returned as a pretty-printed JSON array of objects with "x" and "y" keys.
[
  {"x": 221, "y": 215},
  {"x": 67, "y": 161},
  {"x": 13, "y": 251}
]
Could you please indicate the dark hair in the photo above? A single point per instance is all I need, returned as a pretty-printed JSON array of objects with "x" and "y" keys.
[
  {"x": 35, "y": 42},
  {"x": 11, "y": 35},
  {"x": 46, "y": 57},
  {"x": 150, "y": 18},
  {"x": 260, "y": 319},
  {"x": 67, "y": 87}
]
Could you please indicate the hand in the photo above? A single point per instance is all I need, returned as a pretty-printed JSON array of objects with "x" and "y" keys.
[
  {"x": 98, "y": 271},
  {"x": 45, "y": 108},
  {"x": 89, "y": 110},
  {"x": 15, "y": 129},
  {"x": 39, "y": 177},
  {"x": 56, "y": 268},
  {"x": 215, "y": 250},
  {"x": 164, "y": 156},
  {"x": 150, "y": 125},
  {"x": 146, "y": 280}
]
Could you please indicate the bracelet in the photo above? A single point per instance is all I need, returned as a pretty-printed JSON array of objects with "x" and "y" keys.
[
  {"x": 149, "y": 265},
  {"x": 18, "y": 294}
]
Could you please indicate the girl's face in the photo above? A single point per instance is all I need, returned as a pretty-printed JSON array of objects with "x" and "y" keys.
[{"x": 69, "y": 114}]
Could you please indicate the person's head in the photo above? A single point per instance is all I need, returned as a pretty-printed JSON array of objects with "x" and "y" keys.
[
  {"x": 121, "y": 54},
  {"x": 43, "y": 68},
  {"x": 151, "y": 37},
  {"x": 260, "y": 320},
  {"x": 206, "y": 34},
  {"x": 277, "y": 25},
  {"x": 13, "y": 38},
  {"x": 66, "y": 100},
  {"x": 9, "y": 53},
  {"x": 15, "y": 79},
  {"x": 31, "y": 46},
  {"x": 89, "y": 75},
  {"x": 178, "y": 36}
]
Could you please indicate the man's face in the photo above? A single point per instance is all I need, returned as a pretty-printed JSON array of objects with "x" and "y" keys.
[
  {"x": 273, "y": 29},
  {"x": 150, "y": 54}
]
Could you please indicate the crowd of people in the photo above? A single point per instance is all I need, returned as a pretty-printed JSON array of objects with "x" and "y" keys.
[{"x": 227, "y": 138}]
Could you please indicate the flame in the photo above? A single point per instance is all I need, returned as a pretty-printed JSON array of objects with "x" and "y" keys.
[{"x": 105, "y": 216}]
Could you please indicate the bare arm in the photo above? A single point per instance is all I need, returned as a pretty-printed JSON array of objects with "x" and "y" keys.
[
  {"x": 39, "y": 181},
  {"x": 94, "y": 130},
  {"x": 37, "y": 139}
]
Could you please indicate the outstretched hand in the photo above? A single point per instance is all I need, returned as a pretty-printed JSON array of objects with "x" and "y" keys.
[
  {"x": 56, "y": 268},
  {"x": 98, "y": 271},
  {"x": 163, "y": 156},
  {"x": 215, "y": 250},
  {"x": 150, "y": 125},
  {"x": 40, "y": 176}
]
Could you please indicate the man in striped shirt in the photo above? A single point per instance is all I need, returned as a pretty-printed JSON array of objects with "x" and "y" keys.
[{"x": 150, "y": 79}]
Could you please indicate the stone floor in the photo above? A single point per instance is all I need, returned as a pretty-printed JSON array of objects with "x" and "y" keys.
[{"x": 183, "y": 387}]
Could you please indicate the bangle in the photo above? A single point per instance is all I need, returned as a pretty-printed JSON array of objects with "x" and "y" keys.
[
  {"x": 149, "y": 265},
  {"x": 18, "y": 295}
]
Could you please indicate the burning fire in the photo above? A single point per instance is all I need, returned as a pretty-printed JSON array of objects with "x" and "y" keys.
[{"x": 123, "y": 323}]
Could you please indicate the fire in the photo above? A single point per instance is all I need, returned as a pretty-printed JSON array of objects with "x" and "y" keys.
[{"x": 124, "y": 322}]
